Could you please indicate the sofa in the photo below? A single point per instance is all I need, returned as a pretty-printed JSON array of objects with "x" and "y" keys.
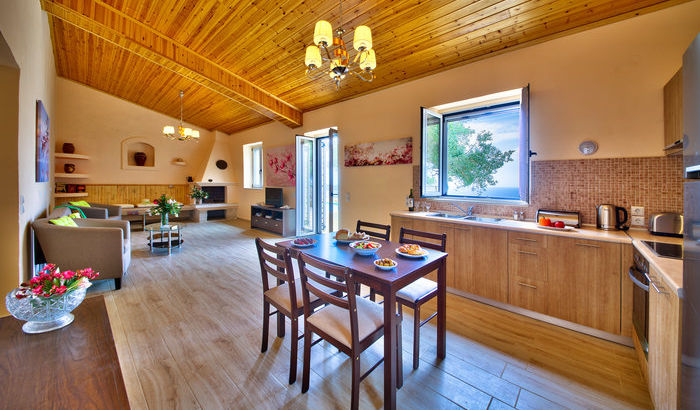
[
  {"x": 101, "y": 211},
  {"x": 101, "y": 244}
]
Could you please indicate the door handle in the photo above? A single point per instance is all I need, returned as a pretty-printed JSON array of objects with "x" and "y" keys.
[
  {"x": 588, "y": 245},
  {"x": 658, "y": 289},
  {"x": 527, "y": 285},
  {"x": 526, "y": 239},
  {"x": 528, "y": 253},
  {"x": 636, "y": 281}
]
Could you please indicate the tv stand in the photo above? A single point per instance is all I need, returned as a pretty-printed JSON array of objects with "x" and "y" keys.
[{"x": 278, "y": 220}]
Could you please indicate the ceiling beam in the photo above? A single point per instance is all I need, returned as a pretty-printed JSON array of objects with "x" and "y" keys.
[{"x": 135, "y": 37}]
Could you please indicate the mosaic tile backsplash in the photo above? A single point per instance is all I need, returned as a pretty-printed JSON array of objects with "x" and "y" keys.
[{"x": 656, "y": 183}]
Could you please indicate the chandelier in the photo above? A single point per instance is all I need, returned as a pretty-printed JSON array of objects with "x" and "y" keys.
[
  {"x": 339, "y": 63},
  {"x": 182, "y": 134}
]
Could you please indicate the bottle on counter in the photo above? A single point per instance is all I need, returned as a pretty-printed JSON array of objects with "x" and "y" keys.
[{"x": 409, "y": 201}]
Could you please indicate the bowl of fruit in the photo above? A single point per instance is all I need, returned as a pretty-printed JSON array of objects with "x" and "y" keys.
[
  {"x": 365, "y": 248},
  {"x": 546, "y": 223},
  {"x": 385, "y": 264},
  {"x": 304, "y": 242}
]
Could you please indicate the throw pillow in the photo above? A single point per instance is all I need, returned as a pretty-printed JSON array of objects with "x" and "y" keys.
[
  {"x": 80, "y": 203},
  {"x": 64, "y": 221},
  {"x": 75, "y": 215}
]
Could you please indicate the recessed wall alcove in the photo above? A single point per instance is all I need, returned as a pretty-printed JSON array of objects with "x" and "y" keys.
[{"x": 130, "y": 147}]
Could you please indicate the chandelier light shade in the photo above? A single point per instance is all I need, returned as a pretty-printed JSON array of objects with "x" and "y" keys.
[
  {"x": 323, "y": 33},
  {"x": 363, "y": 38},
  {"x": 330, "y": 48},
  {"x": 180, "y": 133}
]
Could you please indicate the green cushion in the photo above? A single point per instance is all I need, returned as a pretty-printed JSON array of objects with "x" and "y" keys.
[
  {"x": 75, "y": 215},
  {"x": 64, "y": 221},
  {"x": 80, "y": 203}
]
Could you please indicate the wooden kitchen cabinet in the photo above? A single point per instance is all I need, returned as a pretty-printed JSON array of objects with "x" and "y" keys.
[
  {"x": 664, "y": 344},
  {"x": 481, "y": 262},
  {"x": 673, "y": 109},
  {"x": 396, "y": 223},
  {"x": 584, "y": 282},
  {"x": 527, "y": 271}
]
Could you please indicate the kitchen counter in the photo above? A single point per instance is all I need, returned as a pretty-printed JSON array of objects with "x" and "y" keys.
[
  {"x": 671, "y": 269},
  {"x": 587, "y": 232}
]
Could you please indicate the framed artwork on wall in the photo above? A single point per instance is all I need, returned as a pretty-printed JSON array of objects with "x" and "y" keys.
[
  {"x": 281, "y": 166},
  {"x": 387, "y": 152},
  {"x": 42, "y": 143}
]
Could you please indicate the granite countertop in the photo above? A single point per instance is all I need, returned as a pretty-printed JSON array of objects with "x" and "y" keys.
[
  {"x": 586, "y": 232},
  {"x": 671, "y": 269}
]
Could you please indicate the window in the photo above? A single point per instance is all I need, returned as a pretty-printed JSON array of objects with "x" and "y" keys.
[
  {"x": 477, "y": 149},
  {"x": 252, "y": 166}
]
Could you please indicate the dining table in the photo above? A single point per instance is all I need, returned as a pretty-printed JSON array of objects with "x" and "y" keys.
[{"x": 387, "y": 282}]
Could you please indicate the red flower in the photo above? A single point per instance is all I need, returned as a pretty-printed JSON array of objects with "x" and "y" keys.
[{"x": 68, "y": 274}]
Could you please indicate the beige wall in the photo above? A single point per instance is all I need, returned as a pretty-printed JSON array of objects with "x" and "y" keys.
[
  {"x": 603, "y": 84},
  {"x": 25, "y": 28},
  {"x": 97, "y": 123}
]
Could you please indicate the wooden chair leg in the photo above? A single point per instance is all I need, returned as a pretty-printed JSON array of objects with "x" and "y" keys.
[
  {"x": 307, "y": 361},
  {"x": 372, "y": 295},
  {"x": 355, "y": 402},
  {"x": 280, "y": 325},
  {"x": 416, "y": 336},
  {"x": 293, "y": 353},
  {"x": 266, "y": 326},
  {"x": 399, "y": 353}
]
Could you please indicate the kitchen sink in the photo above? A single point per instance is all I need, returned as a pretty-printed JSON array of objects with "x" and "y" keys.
[
  {"x": 482, "y": 219},
  {"x": 444, "y": 215}
]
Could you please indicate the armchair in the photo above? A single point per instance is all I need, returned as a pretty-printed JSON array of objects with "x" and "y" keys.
[
  {"x": 101, "y": 244},
  {"x": 101, "y": 211}
]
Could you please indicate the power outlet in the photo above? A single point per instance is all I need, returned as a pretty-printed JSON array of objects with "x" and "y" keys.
[
  {"x": 638, "y": 211},
  {"x": 638, "y": 220}
]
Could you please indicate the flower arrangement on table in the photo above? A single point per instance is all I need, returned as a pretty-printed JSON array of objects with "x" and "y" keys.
[
  {"x": 198, "y": 194},
  {"x": 165, "y": 206},
  {"x": 46, "y": 301}
]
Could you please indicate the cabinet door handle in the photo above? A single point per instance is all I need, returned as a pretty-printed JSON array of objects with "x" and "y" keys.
[
  {"x": 527, "y": 285},
  {"x": 652, "y": 282},
  {"x": 588, "y": 245},
  {"x": 528, "y": 253},
  {"x": 526, "y": 239}
]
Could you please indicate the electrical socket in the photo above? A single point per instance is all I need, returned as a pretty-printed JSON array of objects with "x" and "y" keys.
[
  {"x": 637, "y": 211},
  {"x": 638, "y": 220}
]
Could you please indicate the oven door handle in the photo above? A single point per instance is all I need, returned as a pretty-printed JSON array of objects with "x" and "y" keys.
[{"x": 636, "y": 281}]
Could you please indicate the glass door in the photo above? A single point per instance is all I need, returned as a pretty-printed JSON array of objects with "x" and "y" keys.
[{"x": 317, "y": 184}]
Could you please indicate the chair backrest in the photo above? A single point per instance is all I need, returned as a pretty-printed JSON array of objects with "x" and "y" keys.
[
  {"x": 343, "y": 282},
  {"x": 276, "y": 261},
  {"x": 381, "y": 231},
  {"x": 439, "y": 240}
]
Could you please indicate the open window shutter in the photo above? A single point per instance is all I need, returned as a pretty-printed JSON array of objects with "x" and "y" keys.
[
  {"x": 524, "y": 148},
  {"x": 430, "y": 186}
]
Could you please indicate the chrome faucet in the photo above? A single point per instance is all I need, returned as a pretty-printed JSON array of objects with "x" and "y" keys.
[{"x": 468, "y": 212}]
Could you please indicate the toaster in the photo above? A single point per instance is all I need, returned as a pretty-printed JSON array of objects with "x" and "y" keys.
[{"x": 666, "y": 224}]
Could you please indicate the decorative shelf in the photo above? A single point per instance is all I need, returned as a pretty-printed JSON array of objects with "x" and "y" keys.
[
  {"x": 69, "y": 194},
  {"x": 70, "y": 176},
  {"x": 61, "y": 155}
]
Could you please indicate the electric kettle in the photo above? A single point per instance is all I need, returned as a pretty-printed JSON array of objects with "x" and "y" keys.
[{"x": 608, "y": 217}]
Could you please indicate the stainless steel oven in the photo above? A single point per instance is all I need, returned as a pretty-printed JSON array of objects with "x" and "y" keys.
[{"x": 638, "y": 273}]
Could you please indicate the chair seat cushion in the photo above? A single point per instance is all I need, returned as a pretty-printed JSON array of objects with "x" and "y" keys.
[
  {"x": 280, "y": 295},
  {"x": 335, "y": 321},
  {"x": 417, "y": 290}
]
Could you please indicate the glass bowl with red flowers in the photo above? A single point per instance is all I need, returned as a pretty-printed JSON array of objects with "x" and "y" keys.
[{"x": 45, "y": 302}]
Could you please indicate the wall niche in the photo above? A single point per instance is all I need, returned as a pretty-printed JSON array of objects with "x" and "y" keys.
[{"x": 138, "y": 154}]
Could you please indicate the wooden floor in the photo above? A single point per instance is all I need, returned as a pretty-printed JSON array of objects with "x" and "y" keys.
[{"x": 187, "y": 328}]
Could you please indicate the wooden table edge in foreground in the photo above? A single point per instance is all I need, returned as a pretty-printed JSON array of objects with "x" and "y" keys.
[
  {"x": 73, "y": 367},
  {"x": 389, "y": 290}
]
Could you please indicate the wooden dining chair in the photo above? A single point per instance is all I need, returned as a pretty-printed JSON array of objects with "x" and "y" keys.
[
  {"x": 350, "y": 323},
  {"x": 422, "y": 290},
  {"x": 285, "y": 297},
  {"x": 378, "y": 230}
]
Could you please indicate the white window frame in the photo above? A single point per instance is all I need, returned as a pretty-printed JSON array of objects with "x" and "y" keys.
[{"x": 250, "y": 151}]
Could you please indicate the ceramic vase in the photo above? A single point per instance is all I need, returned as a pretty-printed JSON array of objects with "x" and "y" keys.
[
  {"x": 68, "y": 148},
  {"x": 140, "y": 158},
  {"x": 69, "y": 168}
]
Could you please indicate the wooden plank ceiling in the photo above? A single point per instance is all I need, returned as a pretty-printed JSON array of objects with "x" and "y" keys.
[{"x": 241, "y": 63}]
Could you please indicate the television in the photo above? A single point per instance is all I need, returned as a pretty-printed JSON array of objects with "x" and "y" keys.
[{"x": 273, "y": 197}]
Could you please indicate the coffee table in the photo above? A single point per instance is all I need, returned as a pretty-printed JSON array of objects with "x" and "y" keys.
[{"x": 164, "y": 236}]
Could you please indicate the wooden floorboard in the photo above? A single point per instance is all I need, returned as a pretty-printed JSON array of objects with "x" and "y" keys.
[{"x": 187, "y": 329}]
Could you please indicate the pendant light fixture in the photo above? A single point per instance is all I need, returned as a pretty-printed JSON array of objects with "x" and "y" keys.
[
  {"x": 336, "y": 55},
  {"x": 180, "y": 133}
]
